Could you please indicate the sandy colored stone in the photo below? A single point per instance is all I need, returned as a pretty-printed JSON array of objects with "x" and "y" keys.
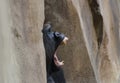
[{"x": 22, "y": 56}]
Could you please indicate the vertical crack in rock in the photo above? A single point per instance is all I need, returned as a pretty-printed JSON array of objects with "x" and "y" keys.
[
  {"x": 65, "y": 18},
  {"x": 97, "y": 20}
]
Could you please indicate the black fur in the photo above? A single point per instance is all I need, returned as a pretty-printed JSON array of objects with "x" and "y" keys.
[{"x": 51, "y": 41}]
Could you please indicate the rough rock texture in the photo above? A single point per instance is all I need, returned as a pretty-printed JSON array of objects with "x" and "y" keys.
[
  {"x": 64, "y": 17},
  {"x": 22, "y": 58},
  {"x": 93, "y": 51},
  {"x": 105, "y": 60},
  {"x": 93, "y": 28}
]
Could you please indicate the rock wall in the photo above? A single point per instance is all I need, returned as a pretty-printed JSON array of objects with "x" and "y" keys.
[
  {"x": 92, "y": 53},
  {"x": 93, "y": 29},
  {"x": 64, "y": 18},
  {"x": 22, "y": 58},
  {"x": 104, "y": 59}
]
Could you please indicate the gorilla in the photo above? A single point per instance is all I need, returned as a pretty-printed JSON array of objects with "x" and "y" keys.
[{"x": 52, "y": 40}]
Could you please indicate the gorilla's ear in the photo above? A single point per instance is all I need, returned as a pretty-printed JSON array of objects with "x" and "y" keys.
[{"x": 46, "y": 28}]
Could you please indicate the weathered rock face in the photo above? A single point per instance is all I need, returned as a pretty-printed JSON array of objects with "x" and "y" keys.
[
  {"x": 92, "y": 53},
  {"x": 105, "y": 60},
  {"x": 22, "y": 58},
  {"x": 93, "y": 28},
  {"x": 64, "y": 17}
]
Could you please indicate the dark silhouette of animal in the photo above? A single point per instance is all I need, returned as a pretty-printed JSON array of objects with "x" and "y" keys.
[{"x": 52, "y": 40}]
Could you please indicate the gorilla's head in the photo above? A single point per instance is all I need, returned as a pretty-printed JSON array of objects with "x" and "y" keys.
[{"x": 51, "y": 41}]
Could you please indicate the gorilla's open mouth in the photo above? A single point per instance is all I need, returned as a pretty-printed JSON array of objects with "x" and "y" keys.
[{"x": 56, "y": 60}]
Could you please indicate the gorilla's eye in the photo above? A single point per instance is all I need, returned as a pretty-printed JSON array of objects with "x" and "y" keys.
[{"x": 57, "y": 34}]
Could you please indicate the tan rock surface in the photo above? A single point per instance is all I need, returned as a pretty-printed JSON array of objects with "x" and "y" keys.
[
  {"x": 22, "y": 58},
  {"x": 64, "y": 17},
  {"x": 92, "y": 53},
  {"x": 93, "y": 25}
]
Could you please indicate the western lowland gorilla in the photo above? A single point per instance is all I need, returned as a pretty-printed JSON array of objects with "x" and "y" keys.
[{"x": 51, "y": 42}]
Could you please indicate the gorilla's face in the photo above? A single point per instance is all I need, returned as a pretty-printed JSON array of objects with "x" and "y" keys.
[
  {"x": 51, "y": 41},
  {"x": 56, "y": 60}
]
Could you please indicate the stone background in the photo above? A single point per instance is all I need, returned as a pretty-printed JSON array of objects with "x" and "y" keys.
[{"x": 92, "y": 53}]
